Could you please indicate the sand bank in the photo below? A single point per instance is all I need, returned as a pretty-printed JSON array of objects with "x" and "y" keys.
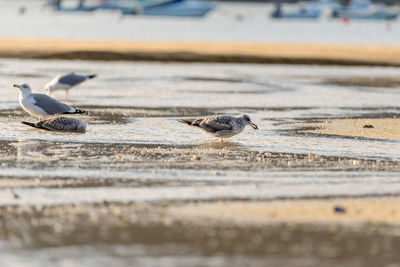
[
  {"x": 382, "y": 210},
  {"x": 366, "y": 128},
  {"x": 202, "y": 51}
]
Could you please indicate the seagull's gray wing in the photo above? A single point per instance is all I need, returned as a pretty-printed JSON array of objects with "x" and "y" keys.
[
  {"x": 50, "y": 105},
  {"x": 216, "y": 124},
  {"x": 72, "y": 79}
]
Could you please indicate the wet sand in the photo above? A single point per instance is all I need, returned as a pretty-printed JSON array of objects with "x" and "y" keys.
[
  {"x": 286, "y": 231},
  {"x": 138, "y": 180},
  {"x": 383, "y": 82},
  {"x": 234, "y": 52},
  {"x": 313, "y": 187}
]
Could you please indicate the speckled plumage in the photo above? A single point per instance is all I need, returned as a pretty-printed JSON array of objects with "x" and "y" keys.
[
  {"x": 221, "y": 126},
  {"x": 63, "y": 124}
]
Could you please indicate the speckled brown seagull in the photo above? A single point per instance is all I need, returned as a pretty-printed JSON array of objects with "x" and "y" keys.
[
  {"x": 221, "y": 126},
  {"x": 62, "y": 124}
]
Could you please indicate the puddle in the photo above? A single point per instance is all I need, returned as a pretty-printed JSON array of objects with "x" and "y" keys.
[{"x": 214, "y": 79}]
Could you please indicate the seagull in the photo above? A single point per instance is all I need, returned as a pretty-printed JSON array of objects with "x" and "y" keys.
[
  {"x": 40, "y": 105},
  {"x": 221, "y": 126},
  {"x": 62, "y": 124},
  {"x": 66, "y": 82}
]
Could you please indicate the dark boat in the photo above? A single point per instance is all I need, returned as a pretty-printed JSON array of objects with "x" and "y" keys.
[
  {"x": 364, "y": 9},
  {"x": 303, "y": 12},
  {"x": 188, "y": 8}
]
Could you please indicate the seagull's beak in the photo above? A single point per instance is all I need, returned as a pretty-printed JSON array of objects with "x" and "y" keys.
[
  {"x": 15, "y": 85},
  {"x": 255, "y": 127}
]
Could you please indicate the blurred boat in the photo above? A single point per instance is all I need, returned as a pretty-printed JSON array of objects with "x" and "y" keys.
[
  {"x": 124, "y": 6},
  {"x": 192, "y": 8},
  {"x": 58, "y": 6},
  {"x": 325, "y": 6},
  {"x": 132, "y": 6},
  {"x": 303, "y": 12},
  {"x": 185, "y": 8},
  {"x": 365, "y": 9}
]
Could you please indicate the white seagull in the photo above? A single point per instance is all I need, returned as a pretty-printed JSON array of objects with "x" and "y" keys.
[
  {"x": 40, "y": 105},
  {"x": 221, "y": 126},
  {"x": 66, "y": 82}
]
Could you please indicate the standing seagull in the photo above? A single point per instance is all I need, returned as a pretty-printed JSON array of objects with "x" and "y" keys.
[
  {"x": 40, "y": 105},
  {"x": 222, "y": 126},
  {"x": 66, "y": 82}
]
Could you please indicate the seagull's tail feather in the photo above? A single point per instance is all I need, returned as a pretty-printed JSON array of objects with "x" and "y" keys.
[
  {"x": 29, "y": 123},
  {"x": 188, "y": 122},
  {"x": 38, "y": 124},
  {"x": 91, "y": 76},
  {"x": 77, "y": 111}
]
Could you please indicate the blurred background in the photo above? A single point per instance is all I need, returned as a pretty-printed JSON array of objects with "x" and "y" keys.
[{"x": 320, "y": 21}]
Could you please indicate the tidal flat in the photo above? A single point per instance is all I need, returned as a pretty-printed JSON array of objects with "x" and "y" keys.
[{"x": 140, "y": 187}]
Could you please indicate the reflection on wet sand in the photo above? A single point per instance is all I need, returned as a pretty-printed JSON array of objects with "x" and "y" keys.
[
  {"x": 219, "y": 145},
  {"x": 206, "y": 156},
  {"x": 41, "y": 227}
]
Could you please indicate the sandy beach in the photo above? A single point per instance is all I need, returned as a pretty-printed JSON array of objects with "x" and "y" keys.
[
  {"x": 234, "y": 52},
  {"x": 385, "y": 128},
  {"x": 382, "y": 210}
]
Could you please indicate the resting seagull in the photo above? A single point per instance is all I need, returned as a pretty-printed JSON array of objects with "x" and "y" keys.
[
  {"x": 62, "y": 124},
  {"x": 222, "y": 126},
  {"x": 40, "y": 105},
  {"x": 66, "y": 82}
]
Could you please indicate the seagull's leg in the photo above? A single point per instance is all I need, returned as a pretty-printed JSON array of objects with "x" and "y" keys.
[{"x": 66, "y": 94}]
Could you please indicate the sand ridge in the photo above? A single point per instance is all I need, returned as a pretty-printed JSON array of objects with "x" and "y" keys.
[
  {"x": 382, "y": 128},
  {"x": 379, "y": 210},
  {"x": 296, "y": 53}
]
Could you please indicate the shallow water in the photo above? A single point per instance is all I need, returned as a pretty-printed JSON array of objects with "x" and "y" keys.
[
  {"x": 136, "y": 105},
  {"x": 133, "y": 137},
  {"x": 139, "y": 103}
]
